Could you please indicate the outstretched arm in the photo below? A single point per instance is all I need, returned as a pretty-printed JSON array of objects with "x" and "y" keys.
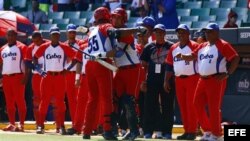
[{"x": 186, "y": 57}]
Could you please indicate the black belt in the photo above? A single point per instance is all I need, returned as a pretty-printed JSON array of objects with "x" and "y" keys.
[
  {"x": 185, "y": 76},
  {"x": 54, "y": 73},
  {"x": 210, "y": 76},
  {"x": 129, "y": 67}
]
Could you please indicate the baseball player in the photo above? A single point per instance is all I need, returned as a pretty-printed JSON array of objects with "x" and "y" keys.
[
  {"x": 212, "y": 57},
  {"x": 53, "y": 85},
  {"x": 82, "y": 92},
  {"x": 99, "y": 78},
  {"x": 186, "y": 79},
  {"x": 37, "y": 40},
  {"x": 71, "y": 90},
  {"x": 14, "y": 79},
  {"x": 127, "y": 88}
]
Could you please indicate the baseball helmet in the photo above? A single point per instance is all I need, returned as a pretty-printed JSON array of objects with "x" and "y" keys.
[
  {"x": 121, "y": 12},
  {"x": 148, "y": 21},
  {"x": 101, "y": 13}
]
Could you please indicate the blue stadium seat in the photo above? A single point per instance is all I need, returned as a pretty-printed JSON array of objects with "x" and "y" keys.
[
  {"x": 78, "y": 21},
  {"x": 242, "y": 3},
  {"x": 192, "y": 4},
  {"x": 71, "y": 14},
  {"x": 55, "y": 15},
  {"x": 227, "y": 4},
  {"x": 200, "y": 12},
  {"x": 219, "y": 11},
  {"x": 211, "y": 4},
  {"x": 207, "y": 18},
  {"x": 221, "y": 23},
  {"x": 240, "y": 11},
  {"x": 46, "y": 26},
  {"x": 62, "y": 26},
  {"x": 199, "y": 24},
  {"x": 183, "y": 12},
  {"x": 132, "y": 19},
  {"x": 86, "y": 14},
  {"x": 222, "y": 18},
  {"x": 187, "y": 23},
  {"x": 189, "y": 18},
  {"x": 60, "y": 21}
]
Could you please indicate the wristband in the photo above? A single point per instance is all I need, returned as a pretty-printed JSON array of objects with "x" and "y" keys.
[{"x": 77, "y": 76}]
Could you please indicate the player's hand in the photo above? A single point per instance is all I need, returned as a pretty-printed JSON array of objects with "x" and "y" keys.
[
  {"x": 77, "y": 83},
  {"x": 166, "y": 86},
  {"x": 143, "y": 86},
  {"x": 42, "y": 73},
  {"x": 221, "y": 76},
  {"x": 179, "y": 55}
]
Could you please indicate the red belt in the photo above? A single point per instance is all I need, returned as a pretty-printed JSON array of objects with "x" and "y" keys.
[
  {"x": 54, "y": 73},
  {"x": 129, "y": 67},
  {"x": 13, "y": 74}
]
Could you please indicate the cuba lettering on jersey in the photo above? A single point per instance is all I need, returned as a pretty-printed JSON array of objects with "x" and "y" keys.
[
  {"x": 180, "y": 66},
  {"x": 211, "y": 61},
  {"x": 130, "y": 56},
  {"x": 40, "y": 60},
  {"x": 97, "y": 42},
  {"x": 69, "y": 61},
  {"x": 54, "y": 59},
  {"x": 12, "y": 60}
]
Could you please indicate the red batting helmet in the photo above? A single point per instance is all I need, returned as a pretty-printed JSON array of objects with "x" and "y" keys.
[
  {"x": 121, "y": 12},
  {"x": 101, "y": 13}
]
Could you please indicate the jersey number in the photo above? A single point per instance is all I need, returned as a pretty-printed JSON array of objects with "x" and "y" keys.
[{"x": 93, "y": 44}]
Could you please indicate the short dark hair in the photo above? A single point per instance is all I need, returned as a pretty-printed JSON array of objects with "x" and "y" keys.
[{"x": 36, "y": 34}]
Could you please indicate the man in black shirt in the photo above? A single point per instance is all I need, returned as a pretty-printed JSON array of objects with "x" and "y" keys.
[{"x": 158, "y": 107}]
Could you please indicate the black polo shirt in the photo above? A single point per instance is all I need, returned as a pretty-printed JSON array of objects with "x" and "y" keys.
[{"x": 155, "y": 55}]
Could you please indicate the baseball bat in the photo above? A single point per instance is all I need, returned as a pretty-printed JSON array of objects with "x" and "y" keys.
[{"x": 103, "y": 63}]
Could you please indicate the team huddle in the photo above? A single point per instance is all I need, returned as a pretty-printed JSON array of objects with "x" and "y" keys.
[{"x": 150, "y": 70}]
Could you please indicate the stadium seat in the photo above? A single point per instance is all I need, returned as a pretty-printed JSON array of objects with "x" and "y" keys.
[
  {"x": 132, "y": 19},
  {"x": 55, "y": 15},
  {"x": 243, "y": 18},
  {"x": 19, "y": 5},
  {"x": 78, "y": 21},
  {"x": 245, "y": 24},
  {"x": 221, "y": 23},
  {"x": 221, "y": 18},
  {"x": 227, "y": 4},
  {"x": 183, "y": 12},
  {"x": 62, "y": 26},
  {"x": 199, "y": 24},
  {"x": 207, "y": 18},
  {"x": 200, "y": 12},
  {"x": 242, "y": 3},
  {"x": 71, "y": 14},
  {"x": 86, "y": 14},
  {"x": 130, "y": 24},
  {"x": 219, "y": 11},
  {"x": 187, "y": 23},
  {"x": 240, "y": 11},
  {"x": 189, "y": 18},
  {"x": 192, "y": 4},
  {"x": 46, "y": 26},
  {"x": 60, "y": 21},
  {"x": 95, "y": 6},
  {"x": 211, "y": 4}
]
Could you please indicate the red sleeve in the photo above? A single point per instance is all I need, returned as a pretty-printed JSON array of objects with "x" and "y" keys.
[
  {"x": 127, "y": 39},
  {"x": 23, "y": 48},
  {"x": 1, "y": 49},
  {"x": 195, "y": 51},
  {"x": 40, "y": 51},
  {"x": 226, "y": 50},
  {"x": 68, "y": 50},
  {"x": 28, "y": 55},
  {"x": 104, "y": 28},
  {"x": 193, "y": 45},
  {"x": 169, "y": 59}
]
